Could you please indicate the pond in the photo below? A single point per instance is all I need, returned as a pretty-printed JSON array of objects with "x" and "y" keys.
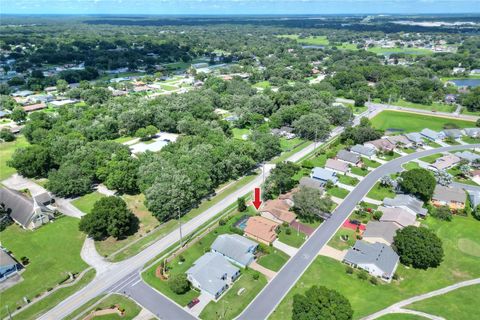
[
  {"x": 313, "y": 47},
  {"x": 466, "y": 82}
]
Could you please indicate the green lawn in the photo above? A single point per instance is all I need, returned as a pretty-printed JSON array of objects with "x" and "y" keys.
[
  {"x": 168, "y": 87},
  {"x": 338, "y": 243},
  {"x": 458, "y": 177},
  {"x": 274, "y": 260},
  {"x": 289, "y": 144},
  {"x": 470, "y": 140},
  {"x": 411, "y": 165},
  {"x": 124, "y": 139},
  {"x": 351, "y": 181},
  {"x": 370, "y": 163},
  {"x": 432, "y": 144},
  {"x": 131, "y": 308},
  {"x": 6, "y": 152},
  {"x": 389, "y": 157},
  {"x": 53, "y": 251},
  {"x": 379, "y": 193},
  {"x": 233, "y": 302},
  {"x": 359, "y": 171},
  {"x": 238, "y": 133},
  {"x": 262, "y": 84},
  {"x": 294, "y": 239},
  {"x": 401, "y": 316},
  {"x": 459, "y": 265},
  {"x": 460, "y": 304},
  {"x": 318, "y": 40},
  {"x": 436, "y": 106},
  {"x": 85, "y": 203},
  {"x": 406, "y": 50},
  {"x": 431, "y": 158},
  {"x": 338, "y": 192},
  {"x": 411, "y": 122}
]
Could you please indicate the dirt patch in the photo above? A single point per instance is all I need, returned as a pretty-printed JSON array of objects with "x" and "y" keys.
[{"x": 469, "y": 247}]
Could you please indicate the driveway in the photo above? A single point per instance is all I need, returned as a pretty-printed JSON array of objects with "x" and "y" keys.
[
  {"x": 17, "y": 182},
  {"x": 333, "y": 253},
  {"x": 197, "y": 309},
  {"x": 291, "y": 251},
  {"x": 266, "y": 272}
]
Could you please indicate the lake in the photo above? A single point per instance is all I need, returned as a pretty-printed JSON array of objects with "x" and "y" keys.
[
  {"x": 466, "y": 82},
  {"x": 313, "y": 47}
]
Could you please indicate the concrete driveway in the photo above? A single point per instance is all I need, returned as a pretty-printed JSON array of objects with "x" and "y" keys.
[
  {"x": 291, "y": 251},
  {"x": 17, "y": 182},
  {"x": 197, "y": 309}
]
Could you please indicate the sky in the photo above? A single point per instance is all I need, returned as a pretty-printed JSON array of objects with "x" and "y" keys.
[{"x": 247, "y": 7}]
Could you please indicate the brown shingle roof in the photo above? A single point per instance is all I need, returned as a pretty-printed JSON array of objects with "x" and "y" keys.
[
  {"x": 279, "y": 209},
  {"x": 261, "y": 228}
]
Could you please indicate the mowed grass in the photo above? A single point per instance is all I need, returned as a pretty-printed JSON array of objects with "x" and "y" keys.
[
  {"x": 86, "y": 202},
  {"x": 338, "y": 243},
  {"x": 366, "y": 298},
  {"x": 294, "y": 239},
  {"x": 379, "y": 192},
  {"x": 312, "y": 40},
  {"x": 431, "y": 158},
  {"x": 411, "y": 122},
  {"x": 460, "y": 304},
  {"x": 131, "y": 308},
  {"x": 53, "y": 251},
  {"x": 338, "y": 192},
  {"x": 274, "y": 260},
  {"x": 435, "y": 106},
  {"x": 411, "y": 51},
  {"x": 6, "y": 151}
]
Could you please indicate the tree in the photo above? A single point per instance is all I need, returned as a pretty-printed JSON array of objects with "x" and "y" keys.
[
  {"x": 69, "y": 181},
  {"x": 280, "y": 180},
  {"x": 62, "y": 85},
  {"x": 31, "y": 162},
  {"x": 5, "y": 219},
  {"x": 241, "y": 204},
  {"x": 318, "y": 302},
  {"x": 121, "y": 175},
  {"x": 418, "y": 247},
  {"x": 476, "y": 212},
  {"x": 6, "y": 135},
  {"x": 109, "y": 217},
  {"x": 18, "y": 115},
  {"x": 386, "y": 181},
  {"x": 419, "y": 182},
  {"x": 442, "y": 213},
  {"x": 310, "y": 205},
  {"x": 312, "y": 126},
  {"x": 178, "y": 283},
  {"x": 443, "y": 177}
]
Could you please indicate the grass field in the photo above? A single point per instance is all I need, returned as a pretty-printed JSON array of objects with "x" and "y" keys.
[
  {"x": 238, "y": 133},
  {"x": 6, "y": 152},
  {"x": 294, "y": 239},
  {"x": 317, "y": 41},
  {"x": 338, "y": 192},
  {"x": 379, "y": 193},
  {"x": 435, "y": 106},
  {"x": 85, "y": 203},
  {"x": 338, "y": 243},
  {"x": 131, "y": 308},
  {"x": 460, "y": 304},
  {"x": 431, "y": 158},
  {"x": 290, "y": 144},
  {"x": 233, "y": 302},
  {"x": 53, "y": 251},
  {"x": 262, "y": 84},
  {"x": 410, "y": 122},
  {"x": 348, "y": 180},
  {"x": 411, "y": 165},
  {"x": 459, "y": 264},
  {"x": 411, "y": 51},
  {"x": 273, "y": 261}
]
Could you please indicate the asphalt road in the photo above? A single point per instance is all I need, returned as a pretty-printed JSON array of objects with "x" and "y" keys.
[{"x": 268, "y": 299}]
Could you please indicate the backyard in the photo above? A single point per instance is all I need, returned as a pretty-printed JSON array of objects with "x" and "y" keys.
[{"x": 462, "y": 256}]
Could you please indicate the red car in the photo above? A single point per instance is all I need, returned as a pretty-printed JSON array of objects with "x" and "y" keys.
[{"x": 192, "y": 303}]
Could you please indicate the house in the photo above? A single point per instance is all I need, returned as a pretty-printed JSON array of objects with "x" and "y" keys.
[
  {"x": 324, "y": 175},
  {"x": 458, "y": 70},
  {"x": 376, "y": 258},
  {"x": 59, "y": 103},
  {"x": 474, "y": 197},
  {"x": 8, "y": 265},
  {"x": 337, "y": 166},
  {"x": 212, "y": 274},
  {"x": 454, "y": 198},
  {"x": 23, "y": 93},
  {"x": 380, "y": 145},
  {"x": 467, "y": 155},
  {"x": 432, "y": 135},
  {"x": 408, "y": 202},
  {"x": 286, "y": 132},
  {"x": 399, "y": 141},
  {"x": 453, "y": 133},
  {"x": 349, "y": 157},
  {"x": 25, "y": 211},
  {"x": 261, "y": 229},
  {"x": 400, "y": 216},
  {"x": 35, "y": 107},
  {"x": 363, "y": 151},
  {"x": 472, "y": 132},
  {"x": 310, "y": 183},
  {"x": 445, "y": 162},
  {"x": 278, "y": 210},
  {"x": 382, "y": 232},
  {"x": 415, "y": 138},
  {"x": 235, "y": 248},
  {"x": 450, "y": 98}
]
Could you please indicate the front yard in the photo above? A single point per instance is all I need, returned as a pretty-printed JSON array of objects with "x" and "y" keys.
[
  {"x": 351, "y": 181},
  {"x": 343, "y": 239},
  {"x": 338, "y": 192},
  {"x": 274, "y": 260},
  {"x": 85, "y": 203},
  {"x": 294, "y": 239},
  {"x": 379, "y": 192}
]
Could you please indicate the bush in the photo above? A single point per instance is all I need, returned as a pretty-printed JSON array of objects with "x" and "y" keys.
[
  {"x": 181, "y": 258},
  {"x": 179, "y": 284},
  {"x": 442, "y": 213},
  {"x": 377, "y": 215},
  {"x": 288, "y": 231},
  {"x": 6, "y": 135},
  {"x": 349, "y": 270},
  {"x": 373, "y": 280},
  {"x": 362, "y": 275},
  {"x": 24, "y": 260},
  {"x": 242, "y": 206},
  {"x": 222, "y": 222},
  {"x": 395, "y": 276},
  {"x": 255, "y": 276}
]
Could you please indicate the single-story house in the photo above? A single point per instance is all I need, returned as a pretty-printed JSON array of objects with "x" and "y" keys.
[
  {"x": 35, "y": 107},
  {"x": 453, "y": 197},
  {"x": 337, "y": 166},
  {"x": 349, "y": 157},
  {"x": 278, "y": 210},
  {"x": 25, "y": 211},
  {"x": 376, "y": 258},
  {"x": 380, "y": 145},
  {"x": 235, "y": 248},
  {"x": 445, "y": 162},
  {"x": 382, "y": 232},
  {"x": 59, "y": 103},
  {"x": 261, "y": 229},
  {"x": 212, "y": 274},
  {"x": 8, "y": 265},
  {"x": 453, "y": 133},
  {"x": 400, "y": 216},
  {"x": 323, "y": 175},
  {"x": 284, "y": 131},
  {"x": 23, "y": 93},
  {"x": 4, "y": 113},
  {"x": 474, "y": 197},
  {"x": 472, "y": 132},
  {"x": 415, "y": 138},
  {"x": 408, "y": 202},
  {"x": 363, "y": 150},
  {"x": 399, "y": 141},
  {"x": 450, "y": 98},
  {"x": 310, "y": 183},
  {"x": 432, "y": 135},
  {"x": 467, "y": 155}
]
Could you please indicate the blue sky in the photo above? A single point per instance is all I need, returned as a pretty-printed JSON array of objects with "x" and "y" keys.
[{"x": 237, "y": 6}]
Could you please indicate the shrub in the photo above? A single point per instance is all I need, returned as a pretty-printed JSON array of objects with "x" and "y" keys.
[
  {"x": 377, "y": 215},
  {"x": 288, "y": 231},
  {"x": 362, "y": 275},
  {"x": 24, "y": 260},
  {"x": 442, "y": 213},
  {"x": 242, "y": 206},
  {"x": 181, "y": 258},
  {"x": 373, "y": 280},
  {"x": 255, "y": 276},
  {"x": 222, "y": 222},
  {"x": 349, "y": 270},
  {"x": 179, "y": 284}
]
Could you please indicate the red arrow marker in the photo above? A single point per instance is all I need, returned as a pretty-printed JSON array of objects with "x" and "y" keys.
[{"x": 257, "y": 202}]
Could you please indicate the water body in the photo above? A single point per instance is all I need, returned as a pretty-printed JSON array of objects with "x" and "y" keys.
[
  {"x": 313, "y": 47},
  {"x": 466, "y": 82}
]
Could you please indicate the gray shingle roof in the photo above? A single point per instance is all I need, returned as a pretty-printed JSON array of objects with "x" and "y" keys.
[
  {"x": 430, "y": 134},
  {"x": 310, "y": 183},
  {"x": 405, "y": 200},
  {"x": 472, "y": 132},
  {"x": 384, "y": 230},
  {"x": 235, "y": 247},
  {"x": 366, "y": 151},
  {"x": 378, "y": 254},
  {"x": 414, "y": 137},
  {"x": 442, "y": 193},
  {"x": 453, "y": 133},
  {"x": 21, "y": 207},
  {"x": 324, "y": 174},
  {"x": 6, "y": 260},
  {"x": 348, "y": 156},
  {"x": 474, "y": 197},
  {"x": 398, "y": 215},
  {"x": 467, "y": 155}
]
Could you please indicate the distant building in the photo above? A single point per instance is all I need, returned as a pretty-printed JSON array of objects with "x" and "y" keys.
[
  {"x": 349, "y": 157},
  {"x": 472, "y": 132},
  {"x": 399, "y": 141},
  {"x": 380, "y": 145},
  {"x": 337, "y": 166},
  {"x": 445, "y": 162},
  {"x": 467, "y": 155},
  {"x": 453, "y": 133},
  {"x": 415, "y": 138},
  {"x": 450, "y": 98},
  {"x": 432, "y": 135}
]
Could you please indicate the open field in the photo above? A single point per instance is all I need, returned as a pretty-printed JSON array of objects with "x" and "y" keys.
[
  {"x": 53, "y": 251},
  {"x": 459, "y": 264},
  {"x": 460, "y": 304},
  {"x": 410, "y": 51},
  {"x": 6, "y": 151},
  {"x": 435, "y": 106},
  {"x": 410, "y": 122},
  {"x": 85, "y": 203},
  {"x": 316, "y": 41}
]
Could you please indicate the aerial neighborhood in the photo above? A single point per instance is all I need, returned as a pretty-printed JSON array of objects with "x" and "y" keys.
[{"x": 239, "y": 167}]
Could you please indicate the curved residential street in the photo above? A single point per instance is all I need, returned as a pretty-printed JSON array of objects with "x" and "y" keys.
[{"x": 268, "y": 299}]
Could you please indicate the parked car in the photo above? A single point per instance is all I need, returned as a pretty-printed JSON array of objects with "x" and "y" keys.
[
  {"x": 192, "y": 303},
  {"x": 352, "y": 221}
]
